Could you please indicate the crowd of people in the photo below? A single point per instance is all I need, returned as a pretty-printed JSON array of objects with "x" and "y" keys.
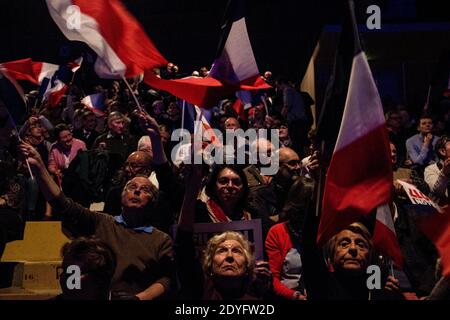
[{"x": 71, "y": 158}]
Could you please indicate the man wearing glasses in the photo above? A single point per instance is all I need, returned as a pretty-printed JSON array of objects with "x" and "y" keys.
[{"x": 144, "y": 254}]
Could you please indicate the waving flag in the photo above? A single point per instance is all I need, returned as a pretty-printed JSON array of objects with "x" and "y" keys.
[
  {"x": 234, "y": 69},
  {"x": 437, "y": 228},
  {"x": 359, "y": 178},
  {"x": 56, "y": 84},
  {"x": 384, "y": 236},
  {"x": 123, "y": 48},
  {"x": 12, "y": 96},
  {"x": 95, "y": 102},
  {"x": 27, "y": 69}
]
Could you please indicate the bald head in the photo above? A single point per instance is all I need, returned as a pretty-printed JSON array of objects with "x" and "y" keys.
[
  {"x": 139, "y": 162},
  {"x": 232, "y": 124},
  {"x": 287, "y": 154},
  {"x": 290, "y": 159}
]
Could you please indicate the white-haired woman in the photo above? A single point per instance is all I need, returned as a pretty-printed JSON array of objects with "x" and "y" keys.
[{"x": 227, "y": 270}]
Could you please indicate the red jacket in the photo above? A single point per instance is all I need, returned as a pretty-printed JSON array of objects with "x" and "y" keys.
[{"x": 278, "y": 243}]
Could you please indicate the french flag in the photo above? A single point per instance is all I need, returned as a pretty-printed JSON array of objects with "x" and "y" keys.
[
  {"x": 27, "y": 69},
  {"x": 384, "y": 237},
  {"x": 192, "y": 113},
  {"x": 234, "y": 69},
  {"x": 436, "y": 227},
  {"x": 95, "y": 102},
  {"x": 55, "y": 86},
  {"x": 12, "y": 96},
  {"x": 359, "y": 178},
  {"x": 122, "y": 46}
]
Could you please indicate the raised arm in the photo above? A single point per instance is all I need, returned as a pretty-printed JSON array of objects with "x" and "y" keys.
[
  {"x": 47, "y": 185},
  {"x": 78, "y": 220},
  {"x": 150, "y": 127},
  {"x": 192, "y": 188}
]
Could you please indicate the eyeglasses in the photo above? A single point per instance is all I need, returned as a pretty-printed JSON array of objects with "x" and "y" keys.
[
  {"x": 132, "y": 187},
  {"x": 226, "y": 181},
  {"x": 293, "y": 163},
  {"x": 134, "y": 165}
]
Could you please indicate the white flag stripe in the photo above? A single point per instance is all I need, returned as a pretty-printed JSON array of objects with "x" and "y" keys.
[
  {"x": 363, "y": 109},
  {"x": 109, "y": 63},
  {"x": 240, "y": 51},
  {"x": 385, "y": 217},
  {"x": 47, "y": 71}
]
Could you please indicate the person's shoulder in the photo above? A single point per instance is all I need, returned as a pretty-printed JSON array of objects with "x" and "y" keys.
[
  {"x": 412, "y": 138},
  {"x": 278, "y": 228},
  {"x": 102, "y": 137},
  {"x": 161, "y": 235}
]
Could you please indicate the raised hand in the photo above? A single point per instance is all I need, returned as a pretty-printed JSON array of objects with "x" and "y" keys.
[
  {"x": 31, "y": 154},
  {"x": 148, "y": 124}
]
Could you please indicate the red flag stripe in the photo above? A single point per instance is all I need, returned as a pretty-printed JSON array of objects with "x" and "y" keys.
[
  {"x": 113, "y": 33},
  {"x": 359, "y": 177}
]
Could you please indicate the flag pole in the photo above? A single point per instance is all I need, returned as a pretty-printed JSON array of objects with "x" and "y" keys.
[
  {"x": 320, "y": 178},
  {"x": 15, "y": 133},
  {"x": 426, "y": 106},
  {"x": 391, "y": 265},
  {"x": 183, "y": 110},
  {"x": 134, "y": 95}
]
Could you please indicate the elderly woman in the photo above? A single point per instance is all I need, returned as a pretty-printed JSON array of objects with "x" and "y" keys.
[
  {"x": 344, "y": 276},
  {"x": 229, "y": 269}
]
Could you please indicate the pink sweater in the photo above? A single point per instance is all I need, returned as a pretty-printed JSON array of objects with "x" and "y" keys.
[{"x": 56, "y": 158}]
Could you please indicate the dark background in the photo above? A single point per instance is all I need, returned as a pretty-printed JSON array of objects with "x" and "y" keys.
[{"x": 283, "y": 35}]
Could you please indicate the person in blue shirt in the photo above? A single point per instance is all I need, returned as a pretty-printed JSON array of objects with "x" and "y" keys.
[{"x": 420, "y": 147}]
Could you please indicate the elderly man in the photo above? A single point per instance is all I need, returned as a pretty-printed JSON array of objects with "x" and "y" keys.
[
  {"x": 144, "y": 253},
  {"x": 138, "y": 163},
  {"x": 232, "y": 124},
  {"x": 267, "y": 201},
  {"x": 116, "y": 141}
]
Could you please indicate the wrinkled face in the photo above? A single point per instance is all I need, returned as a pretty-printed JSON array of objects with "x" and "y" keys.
[
  {"x": 425, "y": 125},
  {"x": 65, "y": 138},
  {"x": 117, "y": 126},
  {"x": 137, "y": 193},
  {"x": 90, "y": 123},
  {"x": 229, "y": 259},
  {"x": 393, "y": 154},
  {"x": 232, "y": 124},
  {"x": 351, "y": 252},
  {"x": 229, "y": 186}
]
